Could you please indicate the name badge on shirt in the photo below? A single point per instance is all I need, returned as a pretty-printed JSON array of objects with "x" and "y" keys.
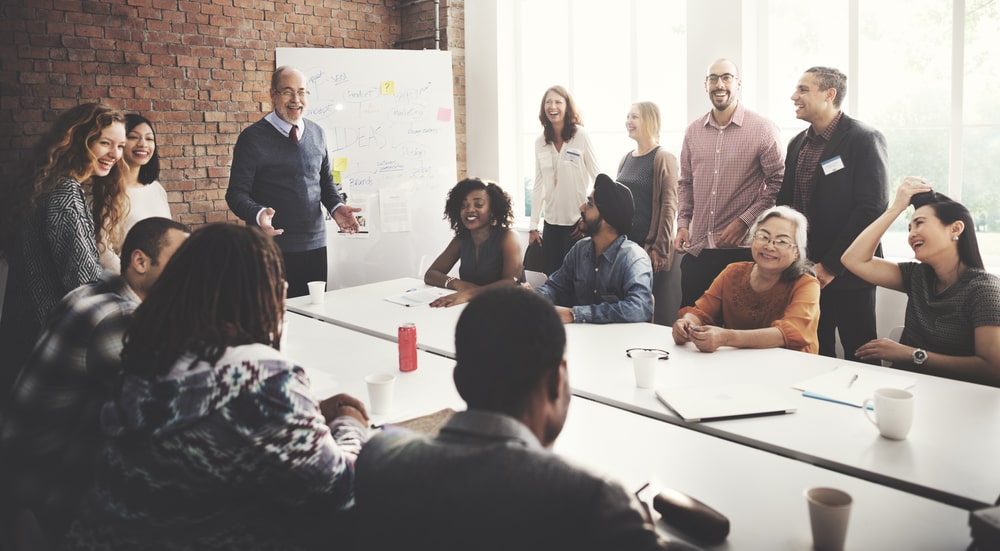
[
  {"x": 832, "y": 165},
  {"x": 574, "y": 157}
]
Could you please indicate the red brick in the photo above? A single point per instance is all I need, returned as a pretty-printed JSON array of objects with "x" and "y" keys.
[{"x": 199, "y": 67}]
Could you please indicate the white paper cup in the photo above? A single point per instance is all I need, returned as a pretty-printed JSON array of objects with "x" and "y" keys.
[
  {"x": 380, "y": 387},
  {"x": 317, "y": 291},
  {"x": 644, "y": 363},
  {"x": 893, "y": 412},
  {"x": 284, "y": 332},
  {"x": 829, "y": 511}
]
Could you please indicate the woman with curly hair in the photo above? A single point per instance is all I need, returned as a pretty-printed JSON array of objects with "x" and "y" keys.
[
  {"x": 49, "y": 234},
  {"x": 481, "y": 215}
]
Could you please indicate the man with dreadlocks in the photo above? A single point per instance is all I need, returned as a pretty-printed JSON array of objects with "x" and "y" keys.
[{"x": 215, "y": 439}]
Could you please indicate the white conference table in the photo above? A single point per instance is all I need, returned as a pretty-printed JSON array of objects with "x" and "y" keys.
[
  {"x": 950, "y": 455},
  {"x": 338, "y": 360},
  {"x": 364, "y": 309},
  {"x": 761, "y": 493}
]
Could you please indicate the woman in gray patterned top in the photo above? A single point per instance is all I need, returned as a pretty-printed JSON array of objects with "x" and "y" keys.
[
  {"x": 952, "y": 326},
  {"x": 47, "y": 221},
  {"x": 650, "y": 172}
]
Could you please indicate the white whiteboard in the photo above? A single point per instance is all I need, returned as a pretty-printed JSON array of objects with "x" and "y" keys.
[{"x": 389, "y": 121}]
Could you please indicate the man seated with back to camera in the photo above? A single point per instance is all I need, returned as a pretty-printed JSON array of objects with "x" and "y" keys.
[
  {"x": 605, "y": 278},
  {"x": 487, "y": 481}
]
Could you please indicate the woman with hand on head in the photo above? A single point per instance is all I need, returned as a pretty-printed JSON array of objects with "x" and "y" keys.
[
  {"x": 650, "y": 173},
  {"x": 565, "y": 170},
  {"x": 51, "y": 217},
  {"x": 215, "y": 439},
  {"x": 952, "y": 326},
  {"x": 490, "y": 255},
  {"x": 771, "y": 302}
]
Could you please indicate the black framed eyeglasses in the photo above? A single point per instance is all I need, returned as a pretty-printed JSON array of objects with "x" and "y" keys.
[
  {"x": 726, "y": 78},
  {"x": 663, "y": 354}
]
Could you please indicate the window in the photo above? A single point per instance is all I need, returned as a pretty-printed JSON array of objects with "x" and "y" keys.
[
  {"x": 607, "y": 59},
  {"x": 921, "y": 71}
]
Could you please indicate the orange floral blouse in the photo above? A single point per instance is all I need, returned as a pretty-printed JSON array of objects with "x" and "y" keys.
[{"x": 791, "y": 306}]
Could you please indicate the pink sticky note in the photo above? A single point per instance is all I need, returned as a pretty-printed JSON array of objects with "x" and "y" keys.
[{"x": 444, "y": 114}]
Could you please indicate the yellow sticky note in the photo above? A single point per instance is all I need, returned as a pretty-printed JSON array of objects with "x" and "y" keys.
[
  {"x": 339, "y": 164},
  {"x": 388, "y": 87},
  {"x": 336, "y": 176}
]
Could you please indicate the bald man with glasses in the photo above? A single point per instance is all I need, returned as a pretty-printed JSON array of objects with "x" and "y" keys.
[
  {"x": 281, "y": 181},
  {"x": 731, "y": 169}
]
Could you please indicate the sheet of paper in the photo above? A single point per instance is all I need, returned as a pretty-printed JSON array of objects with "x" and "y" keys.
[
  {"x": 852, "y": 385},
  {"x": 365, "y": 222},
  {"x": 395, "y": 209},
  {"x": 419, "y": 298}
]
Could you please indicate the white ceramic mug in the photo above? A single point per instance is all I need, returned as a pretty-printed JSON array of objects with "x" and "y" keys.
[
  {"x": 893, "y": 412},
  {"x": 829, "y": 511},
  {"x": 317, "y": 291},
  {"x": 380, "y": 387}
]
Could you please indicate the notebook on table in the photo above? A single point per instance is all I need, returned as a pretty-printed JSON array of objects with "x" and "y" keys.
[
  {"x": 851, "y": 384},
  {"x": 715, "y": 403}
]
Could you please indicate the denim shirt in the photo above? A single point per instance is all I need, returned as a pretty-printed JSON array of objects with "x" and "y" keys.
[{"x": 615, "y": 288}]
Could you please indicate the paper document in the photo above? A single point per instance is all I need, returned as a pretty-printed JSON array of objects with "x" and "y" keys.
[
  {"x": 419, "y": 297},
  {"x": 851, "y": 385}
]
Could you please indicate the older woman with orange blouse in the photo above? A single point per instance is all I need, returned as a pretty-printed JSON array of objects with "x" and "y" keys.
[{"x": 770, "y": 302}]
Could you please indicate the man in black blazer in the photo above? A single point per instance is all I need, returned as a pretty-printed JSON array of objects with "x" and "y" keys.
[{"x": 836, "y": 173}]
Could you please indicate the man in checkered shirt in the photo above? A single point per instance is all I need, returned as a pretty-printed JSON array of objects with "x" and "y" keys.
[
  {"x": 731, "y": 169},
  {"x": 50, "y": 435}
]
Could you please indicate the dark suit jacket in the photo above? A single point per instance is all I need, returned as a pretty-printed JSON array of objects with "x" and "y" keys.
[{"x": 844, "y": 202}]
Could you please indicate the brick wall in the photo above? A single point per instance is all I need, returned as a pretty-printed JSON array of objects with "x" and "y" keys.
[{"x": 199, "y": 69}]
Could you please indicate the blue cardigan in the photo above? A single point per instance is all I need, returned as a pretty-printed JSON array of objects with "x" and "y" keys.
[{"x": 270, "y": 170}]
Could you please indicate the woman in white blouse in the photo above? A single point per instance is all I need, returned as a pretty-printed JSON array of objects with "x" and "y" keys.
[
  {"x": 146, "y": 197},
  {"x": 565, "y": 169}
]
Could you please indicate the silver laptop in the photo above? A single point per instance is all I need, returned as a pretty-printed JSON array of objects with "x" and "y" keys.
[{"x": 714, "y": 403}]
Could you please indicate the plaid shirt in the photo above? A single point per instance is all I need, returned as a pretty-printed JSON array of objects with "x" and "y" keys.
[
  {"x": 49, "y": 431},
  {"x": 805, "y": 165},
  {"x": 726, "y": 173}
]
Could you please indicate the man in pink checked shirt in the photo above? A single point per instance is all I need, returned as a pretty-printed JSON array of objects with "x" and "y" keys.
[{"x": 731, "y": 169}]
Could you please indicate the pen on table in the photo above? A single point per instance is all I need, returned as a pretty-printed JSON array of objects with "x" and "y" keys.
[{"x": 854, "y": 378}]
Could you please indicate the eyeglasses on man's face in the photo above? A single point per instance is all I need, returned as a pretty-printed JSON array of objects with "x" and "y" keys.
[
  {"x": 781, "y": 242},
  {"x": 726, "y": 78},
  {"x": 288, "y": 93}
]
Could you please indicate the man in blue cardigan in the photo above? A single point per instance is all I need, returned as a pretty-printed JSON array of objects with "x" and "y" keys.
[{"x": 281, "y": 181}]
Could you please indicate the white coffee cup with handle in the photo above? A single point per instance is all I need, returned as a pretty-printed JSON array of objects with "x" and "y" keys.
[{"x": 893, "y": 412}]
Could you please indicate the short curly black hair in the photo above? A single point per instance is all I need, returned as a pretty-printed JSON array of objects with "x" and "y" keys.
[{"x": 501, "y": 211}]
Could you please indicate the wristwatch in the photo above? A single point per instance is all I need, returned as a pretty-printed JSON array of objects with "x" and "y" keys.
[{"x": 919, "y": 356}]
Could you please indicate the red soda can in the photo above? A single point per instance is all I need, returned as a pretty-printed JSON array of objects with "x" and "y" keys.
[{"x": 407, "y": 347}]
